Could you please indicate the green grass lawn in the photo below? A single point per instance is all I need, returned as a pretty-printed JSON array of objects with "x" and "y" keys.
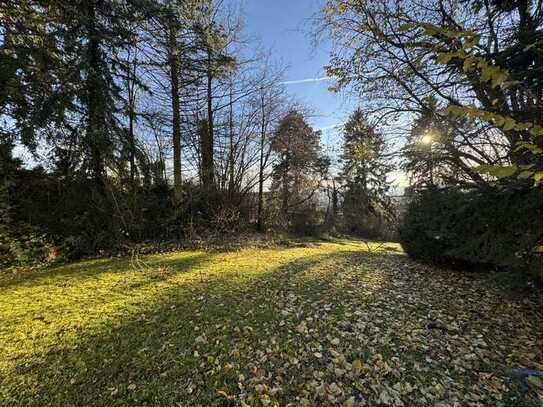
[{"x": 321, "y": 324}]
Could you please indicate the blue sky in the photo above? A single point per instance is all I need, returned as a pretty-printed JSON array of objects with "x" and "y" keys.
[{"x": 284, "y": 27}]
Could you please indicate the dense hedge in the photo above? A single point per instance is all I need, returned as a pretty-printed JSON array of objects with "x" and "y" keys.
[
  {"x": 488, "y": 228},
  {"x": 41, "y": 212}
]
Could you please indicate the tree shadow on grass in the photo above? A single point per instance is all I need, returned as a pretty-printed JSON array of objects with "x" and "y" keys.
[
  {"x": 154, "y": 348},
  {"x": 87, "y": 269},
  {"x": 174, "y": 351}
]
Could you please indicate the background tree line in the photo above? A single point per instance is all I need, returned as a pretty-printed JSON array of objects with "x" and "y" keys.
[{"x": 153, "y": 121}]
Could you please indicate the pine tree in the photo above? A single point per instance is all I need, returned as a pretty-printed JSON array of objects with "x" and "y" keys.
[
  {"x": 300, "y": 163},
  {"x": 365, "y": 175}
]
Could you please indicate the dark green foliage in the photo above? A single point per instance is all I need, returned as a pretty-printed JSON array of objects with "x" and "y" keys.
[
  {"x": 8, "y": 166},
  {"x": 299, "y": 169},
  {"x": 28, "y": 244},
  {"x": 505, "y": 229},
  {"x": 157, "y": 217},
  {"x": 45, "y": 212},
  {"x": 71, "y": 213},
  {"x": 306, "y": 222},
  {"x": 496, "y": 228},
  {"x": 425, "y": 232},
  {"x": 366, "y": 206},
  {"x": 20, "y": 242}
]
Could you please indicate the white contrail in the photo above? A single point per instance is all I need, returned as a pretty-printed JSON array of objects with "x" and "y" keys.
[
  {"x": 332, "y": 126},
  {"x": 324, "y": 78}
]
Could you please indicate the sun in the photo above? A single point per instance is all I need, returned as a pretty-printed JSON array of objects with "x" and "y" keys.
[{"x": 427, "y": 139}]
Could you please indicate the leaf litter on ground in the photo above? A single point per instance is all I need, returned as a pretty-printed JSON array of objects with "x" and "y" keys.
[{"x": 326, "y": 324}]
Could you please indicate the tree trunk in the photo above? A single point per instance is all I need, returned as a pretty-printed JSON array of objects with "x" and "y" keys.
[
  {"x": 231, "y": 148},
  {"x": 95, "y": 102},
  {"x": 286, "y": 169},
  {"x": 132, "y": 147},
  {"x": 284, "y": 206},
  {"x": 131, "y": 119},
  {"x": 173, "y": 54},
  {"x": 259, "y": 220},
  {"x": 208, "y": 168},
  {"x": 334, "y": 202},
  {"x": 207, "y": 158}
]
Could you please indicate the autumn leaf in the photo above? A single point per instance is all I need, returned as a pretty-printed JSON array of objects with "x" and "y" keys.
[
  {"x": 535, "y": 382},
  {"x": 357, "y": 366}
]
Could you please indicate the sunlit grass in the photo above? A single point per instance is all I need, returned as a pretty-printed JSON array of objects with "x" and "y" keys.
[
  {"x": 46, "y": 312},
  {"x": 194, "y": 328}
]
